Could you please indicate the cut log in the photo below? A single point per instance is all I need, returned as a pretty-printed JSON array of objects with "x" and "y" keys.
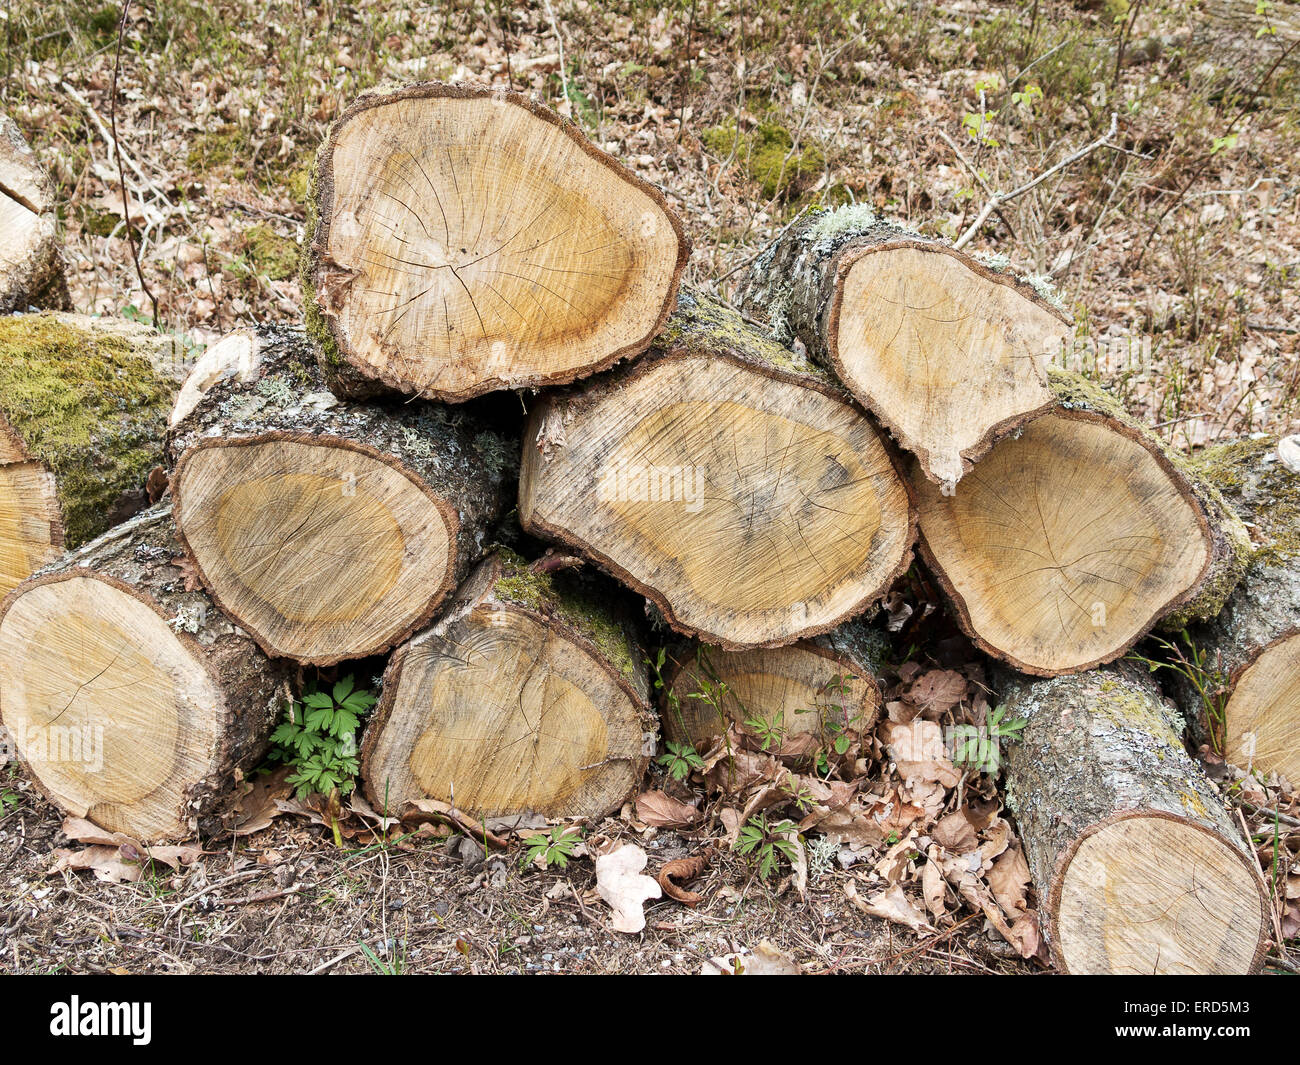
[
  {"x": 83, "y": 411},
  {"x": 31, "y": 264},
  {"x": 1139, "y": 868},
  {"x": 812, "y": 691},
  {"x": 235, "y": 355},
  {"x": 330, "y": 530},
  {"x": 948, "y": 352},
  {"x": 530, "y": 694},
  {"x": 738, "y": 490},
  {"x": 1243, "y": 699},
  {"x": 1068, "y": 542},
  {"x": 130, "y": 699},
  {"x": 468, "y": 239}
]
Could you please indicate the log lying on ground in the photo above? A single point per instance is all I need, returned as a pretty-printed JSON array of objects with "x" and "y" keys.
[
  {"x": 1139, "y": 868},
  {"x": 529, "y": 694},
  {"x": 738, "y": 490},
  {"x": 813, "y": 691},
  {"x": 83, "y": 411},
  {"x": 130, "y": 699},
  {"x": 468, "y": 240},
  {"x": 235, "y": 355},
  {"x": 330, "y": 530},
  {"x": 31, "y": 265},
  {"x": 1244, "y": 699},
  {"x": 948, "y": 352},
  {"x": 1068, "y": 542}
]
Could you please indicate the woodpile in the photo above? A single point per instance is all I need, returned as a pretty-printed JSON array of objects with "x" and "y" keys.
[{"x": 756, "y": 480}]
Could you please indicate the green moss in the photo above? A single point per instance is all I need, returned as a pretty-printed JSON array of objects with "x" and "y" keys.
[
  {"x": 1267, "y": 492},
  {"x": 768, "y": 156},
  {"x": 1127, "y": 708},
  {"x": 705, "y": 326},
  {"x": 561, "y": 596},
  {"x": 1076, "y": 392},
  {"x": 88, "y": 406},
  {"x": 271, "y": 254}
]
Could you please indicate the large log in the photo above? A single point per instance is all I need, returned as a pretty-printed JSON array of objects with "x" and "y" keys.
[
  {"x": 83, "y": 412},
  {"x": 469, "y": 239},
  {"x": 948, "y": 352},
  {"x": 1240, "y": 690},
  {"x": 807, "y": 694},
  {"x": 1070, "y": 540},
  {"x": 1138, "y": 866},
  {"x": 530, "y": 694},
  {"x": 31, "y": 264},
  {"x": 735, "y": 487},
  {"x": 130, "y": 699},
  {"x": 330, "y": 530}
]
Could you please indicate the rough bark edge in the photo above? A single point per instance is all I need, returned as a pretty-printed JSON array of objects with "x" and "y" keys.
[
  {"x": 321, "y": 196},
  {"x": 582, "y": 400},
  {"x": 1179, "y": 480},
  {"x": 1067, "y": 855},
  {"x": 845, "y": 259},
  {"x": 399, "y": 634},
  {"x": 201, "y": 804},
  {"x": 479, "y": 588}
]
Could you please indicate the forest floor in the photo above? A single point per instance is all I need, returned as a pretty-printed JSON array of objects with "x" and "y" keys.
[{"x": 1176, "y": 247}]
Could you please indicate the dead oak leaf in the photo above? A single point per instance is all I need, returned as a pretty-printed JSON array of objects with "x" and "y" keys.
[
  {"x": 684, "y": 870},
  {"x": 625, "y": 888},
  {"x": 661, "y": 810}
]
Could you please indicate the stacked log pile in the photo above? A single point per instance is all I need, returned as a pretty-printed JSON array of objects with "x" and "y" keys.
[{"x": 760, "y": 478}]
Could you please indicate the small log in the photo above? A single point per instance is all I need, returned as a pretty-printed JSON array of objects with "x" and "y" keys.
[
  {"x": 1243, "y": 699},
  {"x": 31, "y": 263},
  {"x": 814, "y": 690},
  {"x": 735, "y": 487},
  {"x": 469, "y": 239},
  {"x": 130, "y": 699},
  {"x": 1069, "y": 541},
  {"x": 330, "y": 530},
  {"x": 529, "y": 694},
  {"x": 948, "y": 352},
  {"x": 1138, "y": 866},
  {"x": 83, "y": 412}
]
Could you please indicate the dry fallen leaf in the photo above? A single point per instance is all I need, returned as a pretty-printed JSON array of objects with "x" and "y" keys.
[
  {"x": 1009, "y": 881},
  {"x": 624, "y": 887},
  {"x": 937, "y": 692},
  {"x": 766, "y": 960},
  {"x": 663, "y": 811},
  {"x": 890, "y": 905},
  {"x": 684, "y": 870},
  {"x": 954, "y": 833}
]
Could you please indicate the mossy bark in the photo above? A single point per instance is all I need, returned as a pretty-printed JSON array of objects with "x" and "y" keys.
[
  {"x": 512, "y": 615},
  {"x": 1264, "y": 608},
  {"x": 1097, "y": 747},
  {"x": 144, "y": 558},
  {"x": 88, "y": 399},
  {"x": 1230, "y": 549}
]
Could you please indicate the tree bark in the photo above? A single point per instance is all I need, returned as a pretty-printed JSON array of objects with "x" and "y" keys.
[
  {"x": 130, "y": 698},
  {"x": 1071, "y": 540},
  {"x": 949, "y": 352},
  {"x": 1138, "y": 866},
  {"x": 330, "y": 530},
  {"x": 83, "y": 411},
  {"x": 1239, "y": 682},
  {"x": 734, "y": 486},
  {"x": 529, "y": 694},
  {"x": 467, "y": 240},
  {"x": 808, "y": 694},
  {"x": 31, "y": 261}
]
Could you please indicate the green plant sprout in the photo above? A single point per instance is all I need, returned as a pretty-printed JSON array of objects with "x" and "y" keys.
[
  {"x": 555, "y": 847},
  {"x": 318, "y": 738},
  {"x": 766, "y": 844}
]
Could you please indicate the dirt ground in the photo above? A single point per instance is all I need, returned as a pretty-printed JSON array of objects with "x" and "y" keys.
[{"x": 1176, "y": 248}]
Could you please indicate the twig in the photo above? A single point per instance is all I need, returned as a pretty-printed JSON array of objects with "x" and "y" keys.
[
  {"x": 975, "y": 173},
  {"x": 121, "y": 166},
  {"x": 998, "y": 199},
  {"x": 559, "y": 41}
]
